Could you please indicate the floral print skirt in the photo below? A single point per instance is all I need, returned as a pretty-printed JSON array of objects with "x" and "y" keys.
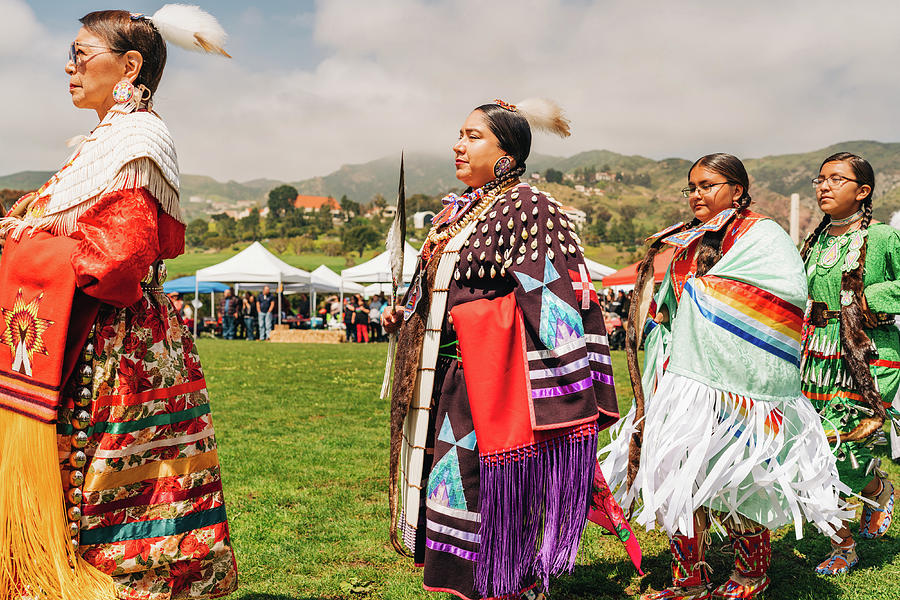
[{"x": 153, "y": 513}]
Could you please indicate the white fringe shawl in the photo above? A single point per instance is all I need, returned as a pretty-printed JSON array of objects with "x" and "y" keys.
[
  {"x": 701, "y": 450},
  {"x": 127, "y": 151},
  {"x": 139, "y": 173}
]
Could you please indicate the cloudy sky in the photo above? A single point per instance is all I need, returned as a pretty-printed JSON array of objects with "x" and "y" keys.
[{"x": 314, "y": 85}]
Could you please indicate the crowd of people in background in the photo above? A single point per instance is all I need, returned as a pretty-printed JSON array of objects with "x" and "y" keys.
[
  {"x": 614, "y": 302},
  {"x": 361, "y": 317},
  {"x": 251, "y": 317}
]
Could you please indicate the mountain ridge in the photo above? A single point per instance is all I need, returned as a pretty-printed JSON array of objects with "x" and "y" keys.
[{"x": 774, "y": 178}]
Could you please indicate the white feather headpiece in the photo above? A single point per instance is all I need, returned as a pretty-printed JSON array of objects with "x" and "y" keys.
[
  {"x": 543, "y": 115},
  {"x": 191, "y": 28}
]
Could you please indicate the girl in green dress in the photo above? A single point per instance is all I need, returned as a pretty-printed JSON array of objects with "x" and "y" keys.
[{"x": 851, "y": 348}]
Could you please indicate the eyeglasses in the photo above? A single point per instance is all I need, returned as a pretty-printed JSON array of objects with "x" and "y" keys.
[
  {"x": 703, "y": 188},
  {"x": 834, "y": 181},
  {"x": 77, "y": 60}
]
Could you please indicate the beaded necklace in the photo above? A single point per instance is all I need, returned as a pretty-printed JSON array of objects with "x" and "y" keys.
[
  {"x": 847, "y": 220},
  {"x": 437, "y": 237}
]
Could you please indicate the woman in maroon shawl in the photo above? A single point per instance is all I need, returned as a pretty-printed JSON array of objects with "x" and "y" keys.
[{"x": 502, "y": 379}]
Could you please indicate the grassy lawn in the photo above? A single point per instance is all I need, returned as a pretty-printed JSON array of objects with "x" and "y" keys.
[{"x": 303, "y": 441}]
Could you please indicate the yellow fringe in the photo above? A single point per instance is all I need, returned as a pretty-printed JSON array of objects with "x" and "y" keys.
[{"x": 37, "y": 559}]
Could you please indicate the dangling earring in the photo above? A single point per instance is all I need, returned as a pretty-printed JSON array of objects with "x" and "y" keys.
[
  {"x": 123, "y": 92},
  {"x": 502, "y": 166},
  {"x": 144, "y": 96}
]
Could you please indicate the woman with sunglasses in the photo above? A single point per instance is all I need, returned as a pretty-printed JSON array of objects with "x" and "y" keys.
[
  {"x": 727, "y": 438},
  {"x": 851, "y": 347},
  {"x": 111, "y": 480}
]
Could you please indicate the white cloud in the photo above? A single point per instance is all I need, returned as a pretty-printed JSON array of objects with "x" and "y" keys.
[{"x": 654, "y": 78}]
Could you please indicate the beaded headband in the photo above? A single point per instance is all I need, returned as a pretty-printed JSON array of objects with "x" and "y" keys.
[{"x": 506, "y": 105}]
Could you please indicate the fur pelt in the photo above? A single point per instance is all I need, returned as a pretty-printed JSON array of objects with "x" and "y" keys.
[
  {"x": 858, "y": 351},
  {"x": 643, "y": 284},
  {"x": 410, "y": 338}
]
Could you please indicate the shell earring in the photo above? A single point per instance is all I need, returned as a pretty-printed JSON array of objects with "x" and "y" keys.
[
  {"x": 123, "y": 92},
  {"x": 502, "y": 166}
]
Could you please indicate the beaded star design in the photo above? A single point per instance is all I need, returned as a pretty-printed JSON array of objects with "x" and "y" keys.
[{"x": 24, "y": 331}]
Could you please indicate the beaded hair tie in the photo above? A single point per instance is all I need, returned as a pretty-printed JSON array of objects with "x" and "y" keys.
[{"x": 506, "y": 105}]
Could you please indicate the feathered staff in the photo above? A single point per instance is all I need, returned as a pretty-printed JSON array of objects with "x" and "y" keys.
[{"x": 396, "y": 240}]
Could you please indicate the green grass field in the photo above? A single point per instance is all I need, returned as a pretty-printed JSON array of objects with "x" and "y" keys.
[{"x": 303, "y": 442}]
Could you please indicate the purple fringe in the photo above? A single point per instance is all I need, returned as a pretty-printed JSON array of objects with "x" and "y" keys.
[{"x": 534, "y": 504}]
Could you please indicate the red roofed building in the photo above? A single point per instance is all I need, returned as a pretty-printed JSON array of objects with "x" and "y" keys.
[{"x": 309, "y": 204}]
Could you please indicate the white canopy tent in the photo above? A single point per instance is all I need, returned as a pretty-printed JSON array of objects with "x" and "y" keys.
[
  {"x": 322, "y": 281},
  {"x": 326, "y": 281},
  {"x": 254, "y": 264},
  {"x": 373, "y": 289},
  {"x": 378, "y": 270},
  {"x": 597, "y": 271}
]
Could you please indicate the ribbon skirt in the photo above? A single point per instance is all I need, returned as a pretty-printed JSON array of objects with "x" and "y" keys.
[{"x": 153, "y": 514}]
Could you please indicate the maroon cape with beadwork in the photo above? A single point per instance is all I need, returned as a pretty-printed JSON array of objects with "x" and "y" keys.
[{"x": 514, "y": 423}]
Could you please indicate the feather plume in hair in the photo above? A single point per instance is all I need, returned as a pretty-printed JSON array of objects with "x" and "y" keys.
[
  {"x": 191, "y": 28},
  {"x": 544, "y": 115}
]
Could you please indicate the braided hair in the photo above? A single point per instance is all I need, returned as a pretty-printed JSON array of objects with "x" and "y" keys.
[{"x": 732, "y": 169}]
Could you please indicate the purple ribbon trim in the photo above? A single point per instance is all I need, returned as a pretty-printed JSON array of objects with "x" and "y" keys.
[
  {"x": 562, "y": 390},
  {"x": 602, "y": 378},
  {"x": 451, "y": 549}
]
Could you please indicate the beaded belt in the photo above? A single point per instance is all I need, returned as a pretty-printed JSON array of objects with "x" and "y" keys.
[{"x": 819, "y": 315}]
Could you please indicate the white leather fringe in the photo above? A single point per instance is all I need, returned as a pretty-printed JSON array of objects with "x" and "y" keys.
[{"x": 707, "y": 448}]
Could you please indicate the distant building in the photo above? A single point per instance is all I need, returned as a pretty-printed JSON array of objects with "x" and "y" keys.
[
  {"x": 579, "y": 188},
  {"x": 422, "y": 219},
  {"x": 578, "y": 217},
  {"x": 308, "y": 204},
  {"x": 536, "y": 177}
]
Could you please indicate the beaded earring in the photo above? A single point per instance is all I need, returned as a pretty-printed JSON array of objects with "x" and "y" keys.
[
  {"x": 502, "y": 166},
  {"x": 123, "y": 92}
]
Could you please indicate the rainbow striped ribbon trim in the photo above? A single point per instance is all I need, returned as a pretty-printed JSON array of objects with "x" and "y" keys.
[{"x": 754, "y": 315}]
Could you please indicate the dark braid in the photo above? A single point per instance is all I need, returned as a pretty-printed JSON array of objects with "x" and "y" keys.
[
  {"x": 867, "y": 212},
  {"x": 811, "y": 238},
  {"x": 732, "y": 169}
]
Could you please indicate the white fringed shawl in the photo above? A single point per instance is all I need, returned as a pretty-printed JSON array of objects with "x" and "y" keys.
[{"x": 127, "y": 150}]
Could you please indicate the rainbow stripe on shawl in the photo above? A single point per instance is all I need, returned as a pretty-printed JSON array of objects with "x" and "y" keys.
[{"x": 753, "y": 314}]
